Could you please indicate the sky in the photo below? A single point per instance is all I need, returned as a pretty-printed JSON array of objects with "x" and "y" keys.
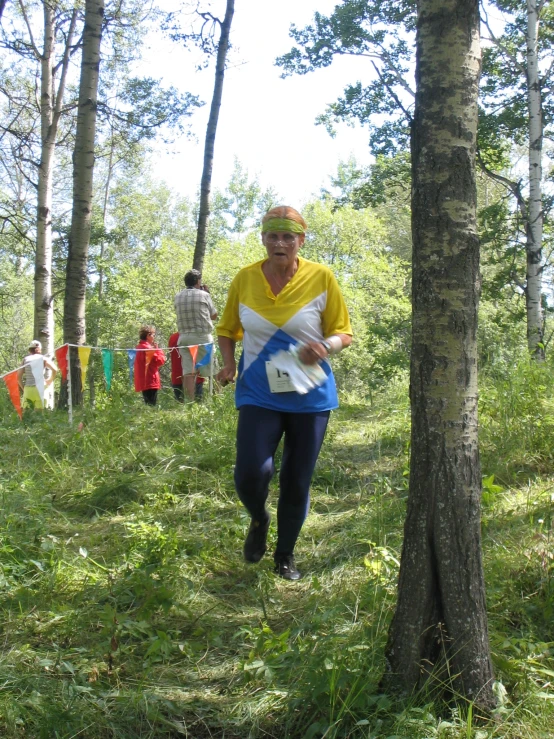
[{"x": 265, "y": 122}]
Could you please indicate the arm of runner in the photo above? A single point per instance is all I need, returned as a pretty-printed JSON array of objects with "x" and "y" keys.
[
  {"x": 227, "y": 348},
  {"x": 315, "y": 351}
]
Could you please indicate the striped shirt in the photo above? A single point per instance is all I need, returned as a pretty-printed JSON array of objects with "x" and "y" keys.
[
  {"x": 28, "y": 374},
  {"x": 194, "y": 310}
]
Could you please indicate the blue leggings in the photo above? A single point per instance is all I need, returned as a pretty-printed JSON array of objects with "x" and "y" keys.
[{"x": 258, "y": 435}]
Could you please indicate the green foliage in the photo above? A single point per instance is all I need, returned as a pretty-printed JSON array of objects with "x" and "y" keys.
[
  {"x": 385, "y": 181},
  {"x": 240, "y": 207},
  {"x": 517, "y": 417},
  {"x": 381, "y": 31},
  {"x": 16, "y": 310},
  {"x": 504, "y": 115},
  {"x": 374, "y": 281},
  {"x": 146, "y": 256},
  {"x": 146, "y": 107}
]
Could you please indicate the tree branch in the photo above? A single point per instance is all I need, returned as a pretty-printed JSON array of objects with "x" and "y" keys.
[
  {"x": 392, "y": 93},
  {"x": 514, "y": 187},
  {"x": 501, "y": 46},
  {"x": 31, "y": 37},
  {"x": 65, "y": 65}
]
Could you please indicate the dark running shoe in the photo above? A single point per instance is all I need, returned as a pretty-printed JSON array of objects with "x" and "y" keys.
[
  {"x": 255, "y": 542},
  {"x": 285, "y": 567}
]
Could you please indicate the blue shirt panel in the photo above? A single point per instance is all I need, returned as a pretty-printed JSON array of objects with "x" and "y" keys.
[{"x": 252, "y": 387}]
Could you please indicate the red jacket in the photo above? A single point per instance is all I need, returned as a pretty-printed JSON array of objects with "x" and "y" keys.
[
  {"x": 147, "y": 364},
  {"x": 176, "y": 366}
]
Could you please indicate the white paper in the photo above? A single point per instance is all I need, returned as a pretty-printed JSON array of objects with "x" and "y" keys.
[{"x": 302, "y": 377}]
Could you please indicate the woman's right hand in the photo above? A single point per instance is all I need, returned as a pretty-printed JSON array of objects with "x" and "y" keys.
[{"x": 226, "y": 374}]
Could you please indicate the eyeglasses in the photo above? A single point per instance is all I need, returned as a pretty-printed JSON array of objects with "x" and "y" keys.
[{"x": 288, "y": 239}]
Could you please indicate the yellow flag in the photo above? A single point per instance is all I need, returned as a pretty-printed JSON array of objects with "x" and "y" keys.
[{"x": 84, "y": 354}]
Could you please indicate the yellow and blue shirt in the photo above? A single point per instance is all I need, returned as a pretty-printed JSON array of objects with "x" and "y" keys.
[{"x": 309, "y": 308}]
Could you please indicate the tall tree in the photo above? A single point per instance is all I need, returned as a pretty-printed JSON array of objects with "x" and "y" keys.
[
  {"x": 517, "y": 104},
  {"x": 211, "y": 130},
  {"x": 83, "y": 169},
  {"x": 439, "y": 630},
  {"x": 51, "y": 102},
  {"x": 59, "y": 23}
]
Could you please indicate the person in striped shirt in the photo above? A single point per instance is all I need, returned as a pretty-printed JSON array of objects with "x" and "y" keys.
[{"x": 195, "y": 316}]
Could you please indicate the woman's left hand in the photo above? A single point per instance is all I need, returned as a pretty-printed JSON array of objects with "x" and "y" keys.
[{"x": 312, "y": 352}]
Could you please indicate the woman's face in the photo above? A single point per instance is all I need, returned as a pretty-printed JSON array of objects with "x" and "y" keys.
[{"x": 282, "y": 247}]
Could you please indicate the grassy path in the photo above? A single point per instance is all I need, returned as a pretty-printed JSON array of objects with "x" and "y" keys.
[{"x": 127, "y": 611}]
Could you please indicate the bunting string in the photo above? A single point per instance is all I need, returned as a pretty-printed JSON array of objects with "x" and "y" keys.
[{"x": 84, "y": 351}]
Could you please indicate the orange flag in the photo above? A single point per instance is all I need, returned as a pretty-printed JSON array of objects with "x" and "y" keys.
[
  {"x": 13, "y": 389},
  {"x": 149, "y": 355},
  {"x": 193, "y": 352}
]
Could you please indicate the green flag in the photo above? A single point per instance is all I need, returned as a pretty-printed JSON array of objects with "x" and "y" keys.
[{"x": 107, "y": 363}]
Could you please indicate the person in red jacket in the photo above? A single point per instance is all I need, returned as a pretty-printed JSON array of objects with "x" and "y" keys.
[
  {"x": 148, "y": 361},
  {"x": 177, "y": 372}
]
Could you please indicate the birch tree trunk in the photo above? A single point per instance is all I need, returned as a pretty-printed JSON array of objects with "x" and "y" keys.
[
  {"x": 438, "y": 636},
  {"x": 209, "y": 144},
  {"x": 535, "y": 325},
  {"x": 44, "y": 303},
  {"x": 51, "y": 102},
  {"x": 83, "y": 167}
]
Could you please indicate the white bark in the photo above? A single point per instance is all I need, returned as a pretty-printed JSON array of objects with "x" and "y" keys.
[
  {"x": 51, "y": 101},
  {"x": 439, "y": 632},
  {"x": 83, "y": 168},
  {"x": 50, "y": 111},
  {"x": 44, "y": 305},
  {"x": 535, "y": 213}
]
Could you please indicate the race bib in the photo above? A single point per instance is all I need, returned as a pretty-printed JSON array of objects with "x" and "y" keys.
[{"x": 279, "y": 381}]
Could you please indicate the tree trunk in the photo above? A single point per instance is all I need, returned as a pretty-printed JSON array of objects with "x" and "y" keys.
[
  {"x": 209, "y": 144},
  {"x": 94, "y": 333},
  {"x": 104, "y": 216},
  {"x": 535, "y": 326},
  {"x": 438, "y": 636},
  {"x": 50, "y": 112},
  {"x": 44, "y": 304},
  {"x": 83, "y": 167}
]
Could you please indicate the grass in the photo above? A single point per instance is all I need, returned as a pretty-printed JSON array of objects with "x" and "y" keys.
[{"x": 126, "y": 610}]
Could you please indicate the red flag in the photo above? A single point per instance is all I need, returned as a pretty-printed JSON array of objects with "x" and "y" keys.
[
  {"x": 61, "y": 358},
  {"x": 13, "y": 389},
  {"x": 193, "y": 352}
]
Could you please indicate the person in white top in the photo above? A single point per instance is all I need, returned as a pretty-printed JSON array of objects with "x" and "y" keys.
[{"x": 27, "y": 379}]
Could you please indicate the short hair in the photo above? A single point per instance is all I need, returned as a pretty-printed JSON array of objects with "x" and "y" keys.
[
  {"x": 285, "y": 211},
  {"x": 145, "y": 330},
  {"x": 34, "y": 345},
  {"x": 192, "y": 277}
]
